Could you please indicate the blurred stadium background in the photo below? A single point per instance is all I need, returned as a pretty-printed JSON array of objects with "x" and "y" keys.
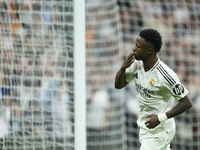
[{"x": 36, "y": 71}]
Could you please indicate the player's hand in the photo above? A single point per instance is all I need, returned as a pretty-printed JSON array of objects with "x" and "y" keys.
[
  {"x": 128, "y": 61},
  {"x": 152, "y": 122}
]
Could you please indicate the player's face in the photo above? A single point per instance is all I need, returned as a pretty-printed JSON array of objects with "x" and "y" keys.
[{"x": 141, "y": 49}]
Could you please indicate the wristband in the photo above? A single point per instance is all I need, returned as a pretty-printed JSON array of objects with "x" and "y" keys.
[{"x": 162, "y": 117}]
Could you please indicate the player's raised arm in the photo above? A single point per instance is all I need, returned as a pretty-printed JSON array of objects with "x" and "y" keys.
[{"x": 120, "y": 76}]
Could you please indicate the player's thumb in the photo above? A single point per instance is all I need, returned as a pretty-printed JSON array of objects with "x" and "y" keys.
[{"x": 148, "y": 116}]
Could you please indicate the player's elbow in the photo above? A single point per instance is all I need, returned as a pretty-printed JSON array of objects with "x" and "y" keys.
[
  {"x": 188, "y": 102},
  {"x": 118, "y": 88},
  {"x": 189, "y": 105},
  {"x": 120, "y": 85}
]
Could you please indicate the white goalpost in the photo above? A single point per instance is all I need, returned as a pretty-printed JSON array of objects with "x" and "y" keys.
[{"x": 79, "y": 75}]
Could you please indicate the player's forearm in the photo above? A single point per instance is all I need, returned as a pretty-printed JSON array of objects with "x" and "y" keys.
[
  {"x": 120, "y": 79},
  {"x": 183, "y": 105}
]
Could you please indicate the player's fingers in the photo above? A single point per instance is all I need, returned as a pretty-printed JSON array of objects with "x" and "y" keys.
[
  {"x": 128, "y": 62},
  {"x": 148, "y": 125},
  {"x": 130, "y": 56},
  {"x": 147, "y": 122}
]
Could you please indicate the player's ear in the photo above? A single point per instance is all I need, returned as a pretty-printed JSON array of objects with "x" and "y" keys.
[{"x": 150, "y": 50}]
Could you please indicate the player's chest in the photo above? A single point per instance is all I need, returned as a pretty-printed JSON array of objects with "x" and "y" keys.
[{"x": 147, "y": 82}]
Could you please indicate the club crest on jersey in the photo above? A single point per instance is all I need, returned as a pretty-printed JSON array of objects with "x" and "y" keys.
[{"x": 152, "y": 82}]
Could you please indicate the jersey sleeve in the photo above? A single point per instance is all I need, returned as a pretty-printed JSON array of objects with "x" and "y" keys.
[
  {"x": 173, "y": 84},
  {"x": 130, "y": 71}
]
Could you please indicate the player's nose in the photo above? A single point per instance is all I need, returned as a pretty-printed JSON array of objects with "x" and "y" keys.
[{"x": 134, "y": 49}]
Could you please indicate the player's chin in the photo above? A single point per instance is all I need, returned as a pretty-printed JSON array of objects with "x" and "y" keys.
[{"x": 136, "y": 58}]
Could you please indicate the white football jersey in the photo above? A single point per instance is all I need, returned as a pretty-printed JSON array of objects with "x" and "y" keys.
[{"x": 156, "y": 91}]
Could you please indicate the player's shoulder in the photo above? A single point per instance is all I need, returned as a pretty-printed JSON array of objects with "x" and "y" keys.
[
  {"x": 136, "y": 65},
  {"x": 166, "y": 73},
  {"x": 162, "y": 67}
]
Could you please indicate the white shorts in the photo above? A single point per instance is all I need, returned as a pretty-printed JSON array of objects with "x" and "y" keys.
[{"x": 157, "y": 141}]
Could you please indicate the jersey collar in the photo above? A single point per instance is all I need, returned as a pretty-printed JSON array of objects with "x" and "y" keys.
[{"x": 156, "y": 64}]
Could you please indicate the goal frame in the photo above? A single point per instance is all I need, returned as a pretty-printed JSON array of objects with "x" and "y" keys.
[{"x": 79, "y": 75}]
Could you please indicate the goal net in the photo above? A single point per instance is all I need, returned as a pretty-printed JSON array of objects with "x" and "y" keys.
[
  {"x": 105, "y": 106},
  {"x": 36, "y": 45}
]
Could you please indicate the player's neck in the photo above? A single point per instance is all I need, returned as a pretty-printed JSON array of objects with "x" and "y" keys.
[{"x": 149, "y": 63}]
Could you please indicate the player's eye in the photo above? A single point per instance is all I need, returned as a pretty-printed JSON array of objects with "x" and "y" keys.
[{"x": 136, "y": 45}]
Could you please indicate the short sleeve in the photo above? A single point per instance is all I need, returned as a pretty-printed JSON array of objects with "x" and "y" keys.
[
  {"x": 130, "y": 71},
  {"x": 173, "y": 84}
]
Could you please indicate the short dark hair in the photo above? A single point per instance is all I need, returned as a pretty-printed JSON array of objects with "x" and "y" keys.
[{"x": 152, "y": 36}]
